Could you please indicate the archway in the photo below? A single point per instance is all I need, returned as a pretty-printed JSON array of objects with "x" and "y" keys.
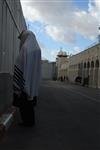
[
  {"x": 88, "y": 67},
  {"x": 84, "y": 73},
  {"x": 96, "y": 73},
  {"x": 79, "y": 69},
  {"x": 92, "y": 74}
]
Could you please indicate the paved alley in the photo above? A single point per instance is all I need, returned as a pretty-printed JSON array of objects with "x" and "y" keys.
[{"x": 67, "y": 118}]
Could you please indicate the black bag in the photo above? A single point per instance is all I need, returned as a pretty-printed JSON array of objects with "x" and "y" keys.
[{"x": 18, "y": 101}]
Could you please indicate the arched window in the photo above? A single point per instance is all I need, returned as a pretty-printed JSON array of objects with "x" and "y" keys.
[
  {"x": 88, "y": 64},
  {"x": 97, "y": 63},
  {"x": 92, "y": 64},
  {"x": 81, "y": 65},
  {"x": 78, "y": 66},
  {"x": 85, "y": 65}
]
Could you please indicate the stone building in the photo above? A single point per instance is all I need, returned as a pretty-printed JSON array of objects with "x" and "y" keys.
[
  {"x": 49, "y": 70},
  {"x": 12, "y": 23},
  {"x": 86, "y": 64},
  {"x": 62, "y": 65}
]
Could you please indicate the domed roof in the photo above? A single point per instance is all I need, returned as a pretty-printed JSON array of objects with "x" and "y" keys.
[{"x": 62, "y": 53}]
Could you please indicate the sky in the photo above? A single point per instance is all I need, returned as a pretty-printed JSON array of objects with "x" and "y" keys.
[{"x": 70, "y": 25}]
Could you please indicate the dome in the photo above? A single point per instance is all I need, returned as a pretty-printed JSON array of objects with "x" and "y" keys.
[
  {"x": 60, "y": 53},
  {"x": 64, "y": 53}
]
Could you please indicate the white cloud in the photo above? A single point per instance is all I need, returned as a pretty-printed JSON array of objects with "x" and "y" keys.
[
  {"x": 54, "y": 53},
  {"x": 64, "y": 19},
  {"x": 85, "y": 24},
  {"x": 55, "y": 32},
  {"x": 48, "y": 52},
  {"x": 94, "y": 8},
  {"x": 76, "y": 50}
]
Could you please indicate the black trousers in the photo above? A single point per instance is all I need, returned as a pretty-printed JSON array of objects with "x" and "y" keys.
[{"x": 27, "y": 112}]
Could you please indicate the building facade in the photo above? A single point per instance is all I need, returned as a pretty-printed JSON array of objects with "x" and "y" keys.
[
  {"x": 86, "y": 65},
  {"x": 62, "y": 65},
  {"x": 12, "y": 23},
  {"x": 49, "y": 70}
]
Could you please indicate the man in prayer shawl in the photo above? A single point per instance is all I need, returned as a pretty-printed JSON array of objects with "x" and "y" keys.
[{"x": 27, "y": 75}]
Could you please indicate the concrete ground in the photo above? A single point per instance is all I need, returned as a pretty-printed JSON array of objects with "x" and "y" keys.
[{"x": 67, "y": 118}]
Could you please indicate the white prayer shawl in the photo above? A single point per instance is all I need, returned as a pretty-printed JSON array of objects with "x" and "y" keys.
[{"x": 27, "y": 73}]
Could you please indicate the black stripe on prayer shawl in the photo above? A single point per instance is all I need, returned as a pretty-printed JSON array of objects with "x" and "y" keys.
[
  {"x": 18, "y": 83},
  {"x": 21, "y": 84},
  {"x": 19, "y": 71},
  {"x": 18, "y": 77},
  {"x": 19, "y": 80}
]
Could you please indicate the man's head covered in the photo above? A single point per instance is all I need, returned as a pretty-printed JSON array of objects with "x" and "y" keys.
[{"x": 24, "y": 35}]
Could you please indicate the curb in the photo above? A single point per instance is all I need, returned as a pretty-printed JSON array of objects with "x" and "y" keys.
[{"x": 6, "y": 120}]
